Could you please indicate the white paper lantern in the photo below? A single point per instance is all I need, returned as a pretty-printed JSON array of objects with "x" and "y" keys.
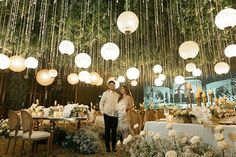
[
  {"x": 158, "y": 82},
  {"x": 73, "y": 78},
  {"x": 84, "y": 76},
  {"x": 100, "y": 82},
  {"x": 226, "y": 18},
  {"x": 4, "y": 62},
  {"x": 110, "y": 51},
  {"x": 190, "y": 67},
  {"x": 52, "y": 73},
  {"x": 117, "y": 84},
  {"x": 197, "y": 72},
  {"x": 230, "y": 51},
  {"x": 132, "y": 73},
  {"x": 17, "y": 63},
  {"x": 157, "y": 68},
  {"x": 179, "y": 79},
  {"x": 43, "y": 78},
  {"x": 162, "y": 77},
  {"x": 188, "y": 49},
  {"x": 121, "y": 79},
  {"x": 82, "y": 60},
  {"x": 31, "y": 62},
  {"x": 94, "y": 76},
  {"x": 134, "y": 83},
  {"x": 221, "y": 68},
  {"x": 66, "y": 47},
  {"x": 127, "y": 22},
  {"x": 88, "y": 81}
]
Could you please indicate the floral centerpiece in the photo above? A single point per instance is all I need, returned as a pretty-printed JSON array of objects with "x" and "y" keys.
[
  {"x": 184, "y": 115},
  {"x": 4, "y": 128},
  {"x": 79, "y": 111},
  {"x": 36, "y": 110}
]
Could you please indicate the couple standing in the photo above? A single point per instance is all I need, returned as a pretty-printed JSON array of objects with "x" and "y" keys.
[{"x": 113, "y": 105}]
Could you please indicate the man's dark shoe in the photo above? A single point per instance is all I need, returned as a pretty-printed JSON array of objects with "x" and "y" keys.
[
  {"x": 108, "y": 150},
  {"x": 114, "y": 150}
]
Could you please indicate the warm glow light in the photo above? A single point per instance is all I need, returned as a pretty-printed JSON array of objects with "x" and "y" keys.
[
  {"x": 190, "y": 67},
  {"x": 230, "y": 51},
  {"x": 73, "y": 78},
  {"x": 4, "y": 62},
  {"x": 66, "y": 47},
  {"x": 162, "y": 77},
  {"x": 84, "y": 76},
  {"x": 134, "y": 83},
  {"x": 82, "y": 60},
  {"x": 157, "y": 68},
  {"x": 221, "y": 68},
  {"x": 197, "y": 72},
  {"x": 31, "y": 62},
  {"x": 17, "y": 63},
  {"x": 100, "y": 82},
  {"x": 179, "y": 80},
  {"x": 117, "y": 84},
  {"x": 158, "y": 82},
  {"x": 110, "y": 51},
  {"x": 43, "y": 78},
  {"x": 95, "y": 77},
  {"x": 188, "y": 49},
  {"x": 132, "y": 73},
  {"x": 127, "y": 22},
  {"x": 226, "y": 18},
  {"x": 52, "y": 73},
  {"x": 121, "y": 79}
]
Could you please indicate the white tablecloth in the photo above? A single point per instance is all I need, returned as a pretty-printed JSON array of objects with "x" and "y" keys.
[{"x": 206, "y": 134}]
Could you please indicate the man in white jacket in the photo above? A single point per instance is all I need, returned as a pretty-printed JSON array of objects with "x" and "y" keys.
[{"x": 108, "y": 108}]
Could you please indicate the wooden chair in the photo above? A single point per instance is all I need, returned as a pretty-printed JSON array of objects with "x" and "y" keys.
[
  {"x": 149, "y": 115},
  {"x": 135, "y": 119},
  {"x": 30, "y": 135},
  {"x": 142, "y": 114},
  {"x": 15, "y": 132}
]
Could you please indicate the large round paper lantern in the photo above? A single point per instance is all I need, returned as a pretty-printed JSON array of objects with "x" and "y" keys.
[
  {"x": 52, "y": 73},
  {"x": 127, "y": 22},
  {"x": 100, "y": 82},
  {"x": 157, "y": 68},
  {"x": 221, "y": 68},
  {"x": 95, "y": 77},
  {"x": 4, "y": 61},
  {"x": 110, "y": 51},
  {"x": 43, "y": 78},
  {"x": 121, "y": 78},
  {"x": 73, "y": 78},
  {"x": 66, "y": 47},
  {"x": 84, "y": 76},
  {"x": 158, "y": 82},
  {"x": 230, "y": 51},
  {"x": 31, "y": 62},
  {"x": 117, "y": 84},
  {"x": 197, "y": 72},
  {"x": 17, "y": 63},
  {"x": 188, "y": 49},
  {"x": 190, "y": 67},
  {"x": 134, "y": 83},
  {"x": 226, "y": 18},
  {"x": 82, "y": 60},
  {"x": 132, "y": 73},
  {"x": 179, "y": 79},
  {"x": 162, "y": 77}
]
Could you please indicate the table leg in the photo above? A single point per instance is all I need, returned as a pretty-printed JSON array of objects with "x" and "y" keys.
[{"x": 78, "y": 124}]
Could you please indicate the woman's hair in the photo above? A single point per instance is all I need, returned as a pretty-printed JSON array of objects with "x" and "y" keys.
[{"x": 127, "y": 92}]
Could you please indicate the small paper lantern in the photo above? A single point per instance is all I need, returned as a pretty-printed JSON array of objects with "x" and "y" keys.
[
  {"x": 230, "y": 51},
  {"x": 52, "y": 73},
  {"x": 94, "y": 78},
  {"x": 82, "y": 60},
  {"x": 127, "y": 22},
  {"x": 84, "y": 76},
  {"x": 188, "y": 49},
  {"x": 179, "y": 80},
  {"x": 157, "y": 68},
  {"x": 190, "y": 67},
  {"x": 162, "y": 77},
  {"x": 132, "y": 73},
  {"x": 4, "y": 62},
  {"x": 100, "y": 82},
  {"x": 43, "y": 78},
  {"x": 121, "y": 79},
  {"x": 197, "y": 72},
  {"x": 226, "y": 18},
  {"x": 17, "y": 63},
  {"x": 158, "y": 82},
  {"x": 31, "y": 62},
  {"x": 66, "y": 47},
  {"x": 221, "y": 68},
  {"x": 73, "y": 78},
  {"x": 134, "y": 83},
  {"x": 110, "y": 51}
]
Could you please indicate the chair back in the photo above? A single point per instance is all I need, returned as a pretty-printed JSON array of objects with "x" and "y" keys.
[
  {"x": 14, "y": 121},
  {"x": 142, "y": 114},
  {"x": 27, "y": 122},
  {"x": 135, "y": 119},
  {"x": 150, "y": 115}
]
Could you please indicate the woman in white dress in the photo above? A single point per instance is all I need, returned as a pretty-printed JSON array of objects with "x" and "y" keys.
[{"x": 125, "y": 104}]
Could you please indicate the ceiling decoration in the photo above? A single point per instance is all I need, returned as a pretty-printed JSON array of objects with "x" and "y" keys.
[{"x": 48, "y": 29}]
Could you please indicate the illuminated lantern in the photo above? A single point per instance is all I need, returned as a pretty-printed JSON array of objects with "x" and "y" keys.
[
  {"x": 190, "y": 67},
  {"x": 52, "y": 73},
  {"x": 4, "y": 62},
  {"x": 132, "y": 73},
  {"x": 66, "y": 47},
  {"x": 84, "y": 76},
  {"x": 157, "y": 68},
  {"x": 95, "y": 78},
  {"x": 162, "y": 77},
  {"x": 110, "y": 51},
  {"x": 31, "y": 62},
  {"x": 121, "y": 79},
  {"x": 230, "y": 51},
  {"x": 17, "y": 63},
  {"x": 221, "y": 68},
  {"x": 134, "y": 83},
  {"x": 197, "y": 72},
  {"x": 179, "y": 80},
  {"x": 73, "y": 78},
  {"x": 127, "y": 22},
  {"x": 82, "y": 60},
  {"x": 43, "y": 77},
  {"x": 226, "y": 18},
  {"x": 158, "y": 82},
  {"x": 188, "y": 49}
]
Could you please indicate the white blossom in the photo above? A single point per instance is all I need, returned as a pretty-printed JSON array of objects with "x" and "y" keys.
[
  {"x": 195, "y": 140},
  {"x": 135, "y": 126},
  {"x": 222, "y": 144},
  {"x": 219, "y": 137},
  {"x": 118, "y": 143},
  {"x": 172, "y": 133},
  {"x": 142, "y": 133},
  {"x": 184, "y": 140},
  {"x": 171, "y": 154},
  {"x": 156, "y": 136},
  {"x": 218, "y": 128}
]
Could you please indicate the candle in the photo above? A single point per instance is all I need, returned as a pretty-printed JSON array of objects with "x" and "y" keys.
[
  {"x": 55, "y": 102},
  {"x": 37, "y": 101}
]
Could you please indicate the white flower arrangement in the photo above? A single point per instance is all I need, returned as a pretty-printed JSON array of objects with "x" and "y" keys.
[
  {"x": 171, "y": 153},
  {"x": 142, "y": 133},
  {"x": 218, "y": 128},
  {"x": 203, "y": 114},
  {"x": 222, "y": 145},
  {"x": 67, "y": 109},
  {"x": 156, "y": 136},
  {"x": 172, "y": 133},
  {"x": 219, "y": 136},
  {"x": 136, "y": 126},
  {"x": 184, "y": 140},
  {"x": 195, "y": 140}
]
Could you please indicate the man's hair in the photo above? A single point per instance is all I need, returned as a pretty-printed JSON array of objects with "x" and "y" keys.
[{"x": 111, "y": 82}]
